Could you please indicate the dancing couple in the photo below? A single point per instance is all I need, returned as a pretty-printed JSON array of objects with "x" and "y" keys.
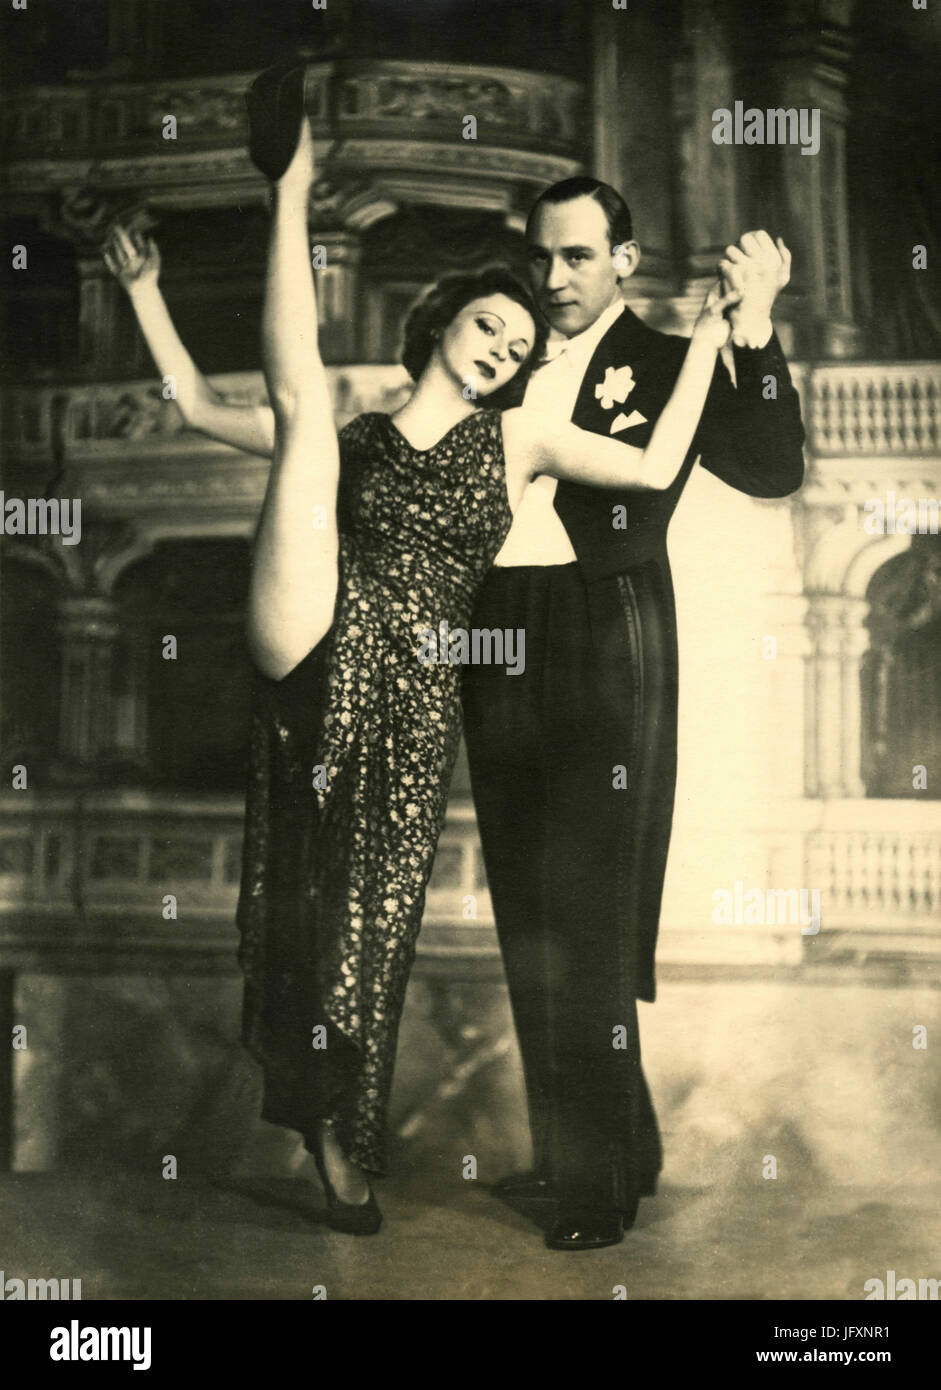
[{"x": 370, "y": 537}]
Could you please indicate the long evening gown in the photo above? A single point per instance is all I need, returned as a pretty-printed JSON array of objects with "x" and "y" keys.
[{"x": 350, "y": 761}]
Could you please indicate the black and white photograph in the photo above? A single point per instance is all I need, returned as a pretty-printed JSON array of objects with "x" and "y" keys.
[{"x": 470, "y": 660}]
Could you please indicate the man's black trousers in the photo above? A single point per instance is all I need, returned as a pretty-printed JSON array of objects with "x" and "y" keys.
[{"x": 573, "y": 769}]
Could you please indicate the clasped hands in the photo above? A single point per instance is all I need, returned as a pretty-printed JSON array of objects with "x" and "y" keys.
[{"x": 758, "y": 268}]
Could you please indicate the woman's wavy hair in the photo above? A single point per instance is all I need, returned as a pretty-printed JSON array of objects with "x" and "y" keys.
[{"x": 445, "y": 300}]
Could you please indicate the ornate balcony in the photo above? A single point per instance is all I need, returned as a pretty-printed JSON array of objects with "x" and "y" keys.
[{"x": 394, "y": 131}]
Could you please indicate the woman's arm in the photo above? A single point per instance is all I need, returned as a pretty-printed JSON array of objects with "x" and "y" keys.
[
  {"x": 135, "y": 264},
  {"x": 580, "y": 456}
]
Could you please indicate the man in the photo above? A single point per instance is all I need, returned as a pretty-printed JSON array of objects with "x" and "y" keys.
[{"x": 573, "y": 761}]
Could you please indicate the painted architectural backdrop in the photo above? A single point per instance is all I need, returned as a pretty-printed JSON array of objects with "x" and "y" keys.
[{"x": 809, "y": 643}]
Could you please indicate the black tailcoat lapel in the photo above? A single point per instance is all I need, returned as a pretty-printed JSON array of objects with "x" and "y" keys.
[{"x": 750, "y": 441}]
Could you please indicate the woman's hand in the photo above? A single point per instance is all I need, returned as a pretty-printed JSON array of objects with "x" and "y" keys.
[
  {"x": 711, "y": 328},
  {"x": 132, "y": 258}
]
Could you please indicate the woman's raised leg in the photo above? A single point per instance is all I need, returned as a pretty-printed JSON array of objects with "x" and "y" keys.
[
  {"x": 294, "y": 563},
  {"x": 294, "y": 571}
]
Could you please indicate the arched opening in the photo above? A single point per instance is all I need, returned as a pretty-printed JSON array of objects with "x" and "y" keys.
[
  {"x": 212, "y": 275},
  {"x": 198, "y": 703},
  {"x": 901, "y": 693},
  {"x": 41, "y": 305},
  {"x": 30, "y": 673}
]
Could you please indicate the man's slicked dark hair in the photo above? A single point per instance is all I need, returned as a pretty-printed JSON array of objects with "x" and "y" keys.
[
  {"x": 445, "y": 300},
  {"x": 616, "y": 211}
]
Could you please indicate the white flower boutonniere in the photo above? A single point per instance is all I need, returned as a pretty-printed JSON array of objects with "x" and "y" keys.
[{"x": 617, "y": 386}]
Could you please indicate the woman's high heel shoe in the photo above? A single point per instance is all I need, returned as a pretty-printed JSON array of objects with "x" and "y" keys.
[
  {"x": 353, "y": 1218},
  {"x": 275, "y": 102}
]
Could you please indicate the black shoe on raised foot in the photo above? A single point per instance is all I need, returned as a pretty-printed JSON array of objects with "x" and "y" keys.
[
  {"x": 352, "y": 1218},
  {"x": 275, "y": 102}
]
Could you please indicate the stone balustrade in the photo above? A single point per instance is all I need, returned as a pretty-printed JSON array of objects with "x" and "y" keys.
[
  {"x": 881, "y": 866},
  {"x": 99, "y": 418},
  {"x": 873, "y": 409},
  {"x": 864, "y": 410},
  {"x": 89, "y": 871},
  {"x": 86, "y": 874}
]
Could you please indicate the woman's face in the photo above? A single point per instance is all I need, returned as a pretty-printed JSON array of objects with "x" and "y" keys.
[{"x": 487, "y": 342}]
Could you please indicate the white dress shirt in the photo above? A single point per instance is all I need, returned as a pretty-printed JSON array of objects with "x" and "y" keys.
[{"x": 537, "y": 536}]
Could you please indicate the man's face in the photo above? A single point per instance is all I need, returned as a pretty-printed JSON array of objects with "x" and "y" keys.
[{"x": 571, "y": 267}]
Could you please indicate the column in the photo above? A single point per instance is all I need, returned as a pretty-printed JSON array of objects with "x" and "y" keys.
[
  {"x": 109, "y": 344},
  {"x": 855, "y": 646},
  {"x": 708, "y": 201},
  {"x": 632, "y": 118},
  {"x": 337, "y": 291},
  {"x": 103, "y": 349},
  {"x": 7, "y": 1022},
  {"x": 810, "y": 71},
  {"x": 87, "y": 628},
  {"x": 825, "y": 697},
  {"x": 2, "y": 533},
  {"x": 127, "y": 745},
  {"x": 132, "y": 34},
  {"x": 786, "y": 712},
  {"x": 834, "y": 724}
]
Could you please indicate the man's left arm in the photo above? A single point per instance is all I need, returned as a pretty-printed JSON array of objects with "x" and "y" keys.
[{"x": 751, "y": 434}]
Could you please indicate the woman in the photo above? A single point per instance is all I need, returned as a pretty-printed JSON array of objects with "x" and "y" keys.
[{"x": 365, "y": 542}]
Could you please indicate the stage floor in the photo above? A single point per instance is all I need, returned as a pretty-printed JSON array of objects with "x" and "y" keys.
[{"x": 128, "y": 1235}]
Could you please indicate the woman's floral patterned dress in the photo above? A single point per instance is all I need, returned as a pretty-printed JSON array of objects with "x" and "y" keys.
[{"x": 349, "y": 767}]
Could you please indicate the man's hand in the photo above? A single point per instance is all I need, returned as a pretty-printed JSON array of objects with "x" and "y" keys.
[{"x": 758, "y": 268}]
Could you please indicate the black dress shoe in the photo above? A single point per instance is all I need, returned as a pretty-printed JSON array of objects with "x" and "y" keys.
[
  {"x": 525, "y": 1187},
  {"x": 275, "y": 102},
  {"x": 352, "y": 1218},
  {"x": 585, "y": 1228}
]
